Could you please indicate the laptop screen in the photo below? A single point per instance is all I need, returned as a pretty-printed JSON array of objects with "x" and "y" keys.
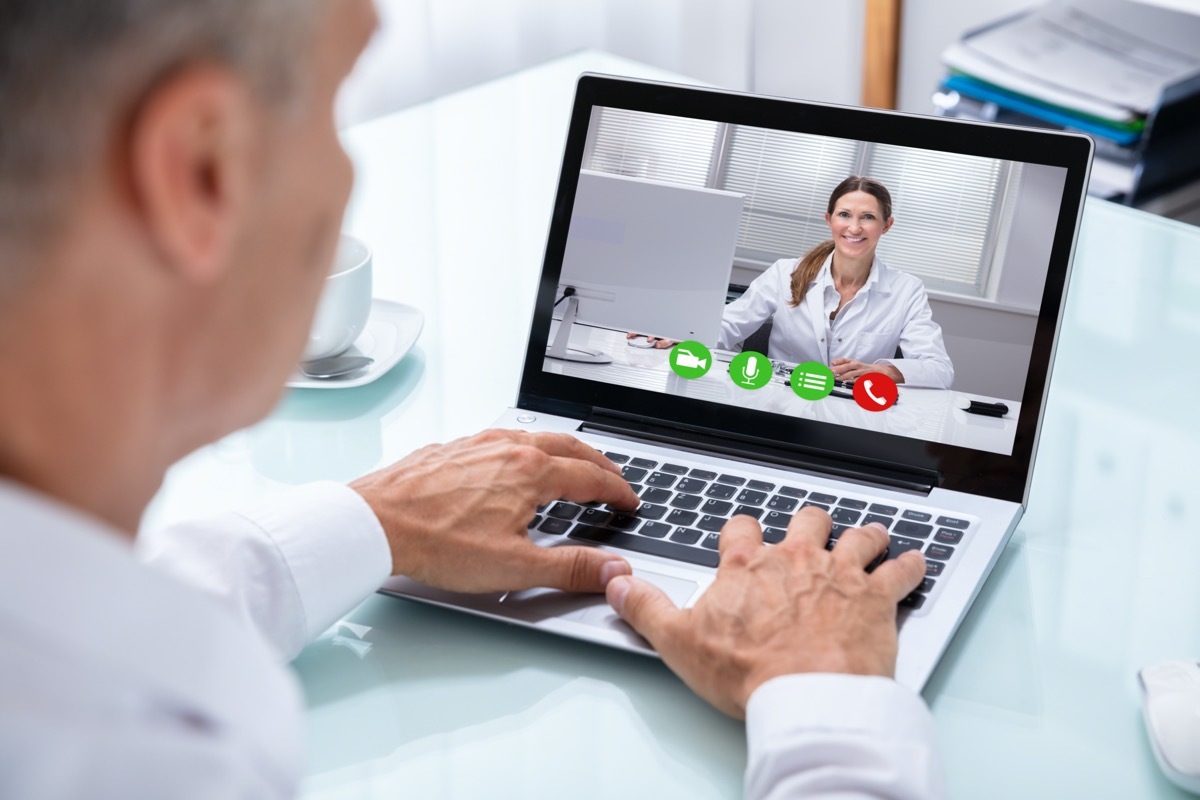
[{"x": 882, "y": 292}]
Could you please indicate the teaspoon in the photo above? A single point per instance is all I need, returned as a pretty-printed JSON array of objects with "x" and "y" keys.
[{"x": 334, "y": 367}]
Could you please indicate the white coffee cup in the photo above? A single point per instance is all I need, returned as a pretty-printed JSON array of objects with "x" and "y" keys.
[{"x": 345, "y": 301}]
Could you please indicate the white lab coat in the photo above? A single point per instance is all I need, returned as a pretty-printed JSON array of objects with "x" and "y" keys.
[
  {"x": 891, "y": 310},
  {"x": 119, "y": 681}
]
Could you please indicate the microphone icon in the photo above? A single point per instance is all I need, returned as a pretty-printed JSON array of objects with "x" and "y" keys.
[{"x": 750, "y": 369}]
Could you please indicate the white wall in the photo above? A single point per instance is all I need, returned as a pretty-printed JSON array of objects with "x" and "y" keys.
[{"x": 810, "y": 49}]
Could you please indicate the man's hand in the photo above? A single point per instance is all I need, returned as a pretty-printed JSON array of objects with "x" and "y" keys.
[
  {"x": 780, "y": 610},
  {"x": 455, "y": 514},
  {"x": 847, "y": 369}
]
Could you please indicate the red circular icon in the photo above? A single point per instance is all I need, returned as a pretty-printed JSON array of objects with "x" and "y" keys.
[{"x": 875, "y": 391}]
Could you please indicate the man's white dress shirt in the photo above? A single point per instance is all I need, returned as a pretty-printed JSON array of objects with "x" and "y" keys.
[
  {"x": 160, "y": 673},
  {"x": 891, "y": 310}
]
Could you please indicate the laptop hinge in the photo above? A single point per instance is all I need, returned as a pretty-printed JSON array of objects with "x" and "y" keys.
[{"x": 766, "y": 451}]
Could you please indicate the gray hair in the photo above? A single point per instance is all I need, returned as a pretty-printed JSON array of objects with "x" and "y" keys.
[{"x": 73, "y": 71}]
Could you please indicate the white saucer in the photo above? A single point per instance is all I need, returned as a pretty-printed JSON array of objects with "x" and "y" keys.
[{"x": 392, "y": 330}]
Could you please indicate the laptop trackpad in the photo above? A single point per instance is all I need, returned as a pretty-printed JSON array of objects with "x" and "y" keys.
[{"x": 537, "y": 604}]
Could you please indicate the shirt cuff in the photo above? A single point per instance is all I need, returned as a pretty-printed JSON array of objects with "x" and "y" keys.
[
  {"x": 827, "y": 733},
  {"x": 334, "y": 547}
]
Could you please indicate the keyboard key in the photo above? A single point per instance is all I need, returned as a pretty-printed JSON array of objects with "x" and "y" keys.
[
  {"x": 837, "y": 531},
  {"x": 721, "y": 491},
  {"x": 948, "y": 536},
  {"x": 703, "y": 474},
  {"x": 717, "y": 508},
  {"x": 652, "y": 494},
  {"x": 650, "y": 511},
  {"x": 821, "y": 506},
  {"x": 732, "y": 480},
  {"x": 674, "y": 469},
  {"x": 751, "y": 497},
  {"x": 533, "y": 522},
  {"x": 749, "y": 511},
  {"x": 761, "y": 486},
  {"x": 625, "y": 522},
  {"x": 953, "y": 522},
  {"x": 777, "y": 519},
  {"x": 939, "y": 551},
  {"x": 645, "y": 463},
  {"x": 773, "y": 535},
  {"x": 661, "y": 479},
  {"x": 926, "y": 585},
  {"x": 917, "y": 516},
  {"x": 617, "y": 458},
  {"x": 688, "y": 501},
  {"x": 542, "y": 507},
  {"x": 595, "y": 516},
  {"x": 781, "y": 503},
  {"x": 918, "y": 529},
  {"x": 712, "y": 541},
  {"x": 644, "y": 544},
  {"x": 691, "y": 485},
  {"x": 887, "y": 511},
  {"x": 899, "y": 544},
  {"x": 686, "y": 535},
  {"x": 884, "y": 521},
  {"x": 556, "y": 526},
  {"x": 914, "y": 601},
  {"x": 656, "y": 529},
  {"x": 850, "y": 502},
  {"x": 633, "y": 474},
  {"x": 792, "y": 491},
  {"x": 710, "y": 523},
  {"x": 845, "y": 516},
  {"x": 681, "y": 517},
  {"x": 934, "y": 568},
  {"x": 565, "y": 510},
  {"x": 822, "y": 498}
]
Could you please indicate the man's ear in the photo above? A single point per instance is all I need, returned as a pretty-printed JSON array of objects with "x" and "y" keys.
[{"x": 191, "y": 156}]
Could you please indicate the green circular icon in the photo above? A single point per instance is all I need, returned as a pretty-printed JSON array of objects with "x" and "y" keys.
[
  {"x": 690, "y": 360},
  {"x": 750, "y": 370},
  {"x": 812, "y": 380}
]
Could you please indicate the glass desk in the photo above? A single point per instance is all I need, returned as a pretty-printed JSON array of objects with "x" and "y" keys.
[{"x": 1037, "y": 695}]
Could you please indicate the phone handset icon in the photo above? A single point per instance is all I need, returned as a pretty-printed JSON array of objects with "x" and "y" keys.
[
  {"x": 875, "y": 391},
  {"x": 867, "y": 388}
]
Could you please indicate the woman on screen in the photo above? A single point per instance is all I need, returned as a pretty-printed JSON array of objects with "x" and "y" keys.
[{"x": 842, "y": 305}]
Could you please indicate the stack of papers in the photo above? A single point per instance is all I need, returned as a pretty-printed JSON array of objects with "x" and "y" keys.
[{"x": 1097, "y": 66}]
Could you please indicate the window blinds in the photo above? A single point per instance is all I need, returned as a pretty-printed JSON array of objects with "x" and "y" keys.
[{"x": 946, "y": 205}]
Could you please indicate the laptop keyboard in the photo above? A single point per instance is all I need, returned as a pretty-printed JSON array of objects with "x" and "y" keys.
[{"x": 684, "y": 508}]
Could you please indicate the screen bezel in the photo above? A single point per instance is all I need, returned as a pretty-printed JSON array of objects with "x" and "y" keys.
[{"x": 956, "y": 468}]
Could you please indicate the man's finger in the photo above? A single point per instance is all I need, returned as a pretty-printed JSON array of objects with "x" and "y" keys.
[
  {"x": 741, "y": 533},
  {"x": 810, "y": 525},
  {"x": 569, "y": 567},
  {"x": 861, "y": 546},
  {"x": 584, "y": 482},
  {"x": 644, "y": 606},
  {"x": 901, "y": 575},
  {"x": 565, "y": 445}
]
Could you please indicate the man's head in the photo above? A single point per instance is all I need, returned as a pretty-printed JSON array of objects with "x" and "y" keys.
[{"x": 171, "y": 191}]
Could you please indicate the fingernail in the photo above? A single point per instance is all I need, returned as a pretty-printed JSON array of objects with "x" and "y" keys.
[
  {"x": 613, "y": 569},
  {"x": 617, "y": 591},
  {"x": 878, "y": 526}
]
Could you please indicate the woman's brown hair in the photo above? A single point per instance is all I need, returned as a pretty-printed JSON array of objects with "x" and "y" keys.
[{"x": 810, "y": 265}]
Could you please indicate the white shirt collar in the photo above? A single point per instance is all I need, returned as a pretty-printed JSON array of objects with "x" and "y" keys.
[{"x": 879, "y": 279}]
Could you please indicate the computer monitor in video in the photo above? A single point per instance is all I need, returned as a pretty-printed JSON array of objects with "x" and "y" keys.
[{"x": 645, "y": 256}]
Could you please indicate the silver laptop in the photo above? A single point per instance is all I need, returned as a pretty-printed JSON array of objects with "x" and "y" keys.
[{"x": 672, "y": 202}]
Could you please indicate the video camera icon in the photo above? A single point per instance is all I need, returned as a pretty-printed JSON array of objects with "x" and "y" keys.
[{"x": 690, "y": 360}]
